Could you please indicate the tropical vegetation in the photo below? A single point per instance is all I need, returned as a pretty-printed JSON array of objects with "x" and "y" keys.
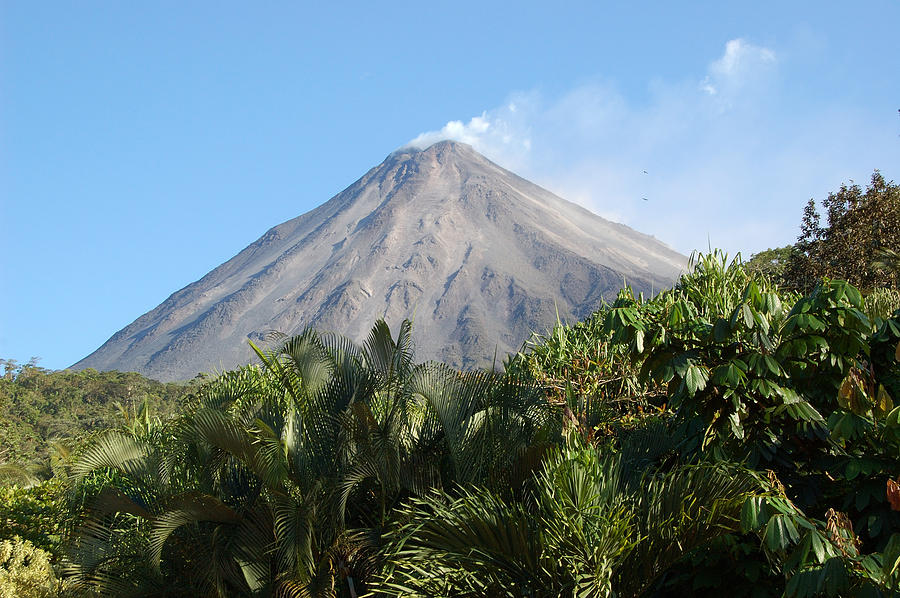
[
  {"x": 733, "y": 434},
  {"x": 43, "y": 413},
  {"x": 859, "y": 242}
]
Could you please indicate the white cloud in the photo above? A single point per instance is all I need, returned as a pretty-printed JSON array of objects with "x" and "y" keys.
[
  {"x": 741, "y": 65},
  {"x": 503, "y": 131},
  {"x": 456, "y": 130},
  {"x": 728, "y": 163},
  {"x": 738, "y": 56}
]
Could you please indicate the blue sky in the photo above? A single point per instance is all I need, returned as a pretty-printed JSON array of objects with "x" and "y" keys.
[{"x": 143, "y": 145}]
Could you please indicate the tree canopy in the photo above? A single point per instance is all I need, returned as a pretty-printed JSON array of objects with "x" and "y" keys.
[
  {"x": 861, "y": 233},
  {"x": 43, "y": 410}
]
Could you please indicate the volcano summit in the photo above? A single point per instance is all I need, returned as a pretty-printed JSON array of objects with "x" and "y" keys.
[{"x": 476, "y": 255}]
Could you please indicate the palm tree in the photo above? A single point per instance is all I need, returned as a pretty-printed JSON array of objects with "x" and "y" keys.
[
  {"x": 171, "y": 513},
  {"x": 283, "y": 479},
  {"x": 592, "y": 525}
]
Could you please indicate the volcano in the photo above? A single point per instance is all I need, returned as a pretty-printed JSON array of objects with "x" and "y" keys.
[{"x": 475, "y": 255}]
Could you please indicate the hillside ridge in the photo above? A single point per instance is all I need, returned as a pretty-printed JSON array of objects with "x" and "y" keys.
[{"x": 480, "y": 256}]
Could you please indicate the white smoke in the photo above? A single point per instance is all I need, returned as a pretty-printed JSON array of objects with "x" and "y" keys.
[{"x": 717, "y": 158}]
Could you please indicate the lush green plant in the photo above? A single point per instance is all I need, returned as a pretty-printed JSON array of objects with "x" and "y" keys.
[
  {"x": 25, "y": 571},
  {"x": 282, "y": 479},
  {"x": 797, "y": 386},
  {"x": 592, "y": 524},
  {"x": 35, "y": 513},
  {"x": 881, "y": 304},
  {"x": 771, "y": 262},
  {"x": 589, "y": 376},
  {"x": 863, "y": 231}
]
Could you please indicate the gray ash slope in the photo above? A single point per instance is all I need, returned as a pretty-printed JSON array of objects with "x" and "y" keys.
[{"x": 476, "y": 255}]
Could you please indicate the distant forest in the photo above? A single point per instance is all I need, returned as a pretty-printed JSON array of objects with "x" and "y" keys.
[{"x": 43, "y": 410}]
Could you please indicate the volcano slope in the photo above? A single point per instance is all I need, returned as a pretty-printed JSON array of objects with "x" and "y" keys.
[{"x": 477, "y": 256}]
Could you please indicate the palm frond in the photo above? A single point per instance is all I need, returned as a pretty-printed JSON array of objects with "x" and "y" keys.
[
  {"x": 479, "y": 541},
  {"x": 190, "y": 507},
  {"x": 118, "y": 451},
  {"x": 680, "y": 511}
]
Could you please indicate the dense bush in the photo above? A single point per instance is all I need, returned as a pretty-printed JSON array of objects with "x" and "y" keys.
[
  {"x": 799, "y": 387},
  {"x": 593, "y": 522},
  {"x": 25, "y": 571},
  {"x": 35, "y": 513},
  {"x": 283, "y": 479}
]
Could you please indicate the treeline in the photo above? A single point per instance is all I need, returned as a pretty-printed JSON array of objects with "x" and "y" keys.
[
  {"x": 44, "y": 413},
  {"x": 859, "y": 241}
]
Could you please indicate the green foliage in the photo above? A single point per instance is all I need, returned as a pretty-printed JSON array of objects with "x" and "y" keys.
[
  {"x": 859, "y": 244},
  {"x": 36, "y": 513},
  {"x": 39, "y": 407},
  {"x": 281, "y": 479},
  {"x": 798, "y": 386},
  {"x": 881, "y": 304},
  {"x": 590, "y": 526},
  {"x": 801, "y": 386},
  {"x": 25, "y": 571},
  {"x": 579, "y": 368},
  {"x": 771, "y": 262}
]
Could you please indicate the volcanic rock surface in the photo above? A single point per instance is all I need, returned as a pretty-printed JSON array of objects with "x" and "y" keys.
[{"x": 477, "y": 256}]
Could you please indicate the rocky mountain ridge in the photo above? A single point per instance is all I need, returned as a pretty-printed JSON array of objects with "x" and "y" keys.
[{"x": 476, "y": 255}]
